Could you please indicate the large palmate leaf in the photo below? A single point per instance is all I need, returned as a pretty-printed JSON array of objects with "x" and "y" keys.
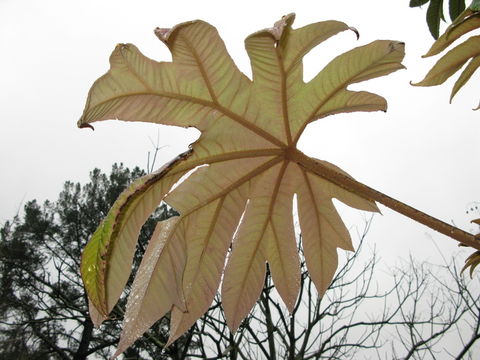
[
  {"x": 456, "y": 58},
  {"x": 234, "y": 189}
]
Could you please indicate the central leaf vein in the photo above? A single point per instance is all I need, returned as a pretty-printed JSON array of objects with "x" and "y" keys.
[{"x": 249, "y": 176}]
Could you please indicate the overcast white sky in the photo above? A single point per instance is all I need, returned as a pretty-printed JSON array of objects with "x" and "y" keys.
[{"x": 423, "y": 151}]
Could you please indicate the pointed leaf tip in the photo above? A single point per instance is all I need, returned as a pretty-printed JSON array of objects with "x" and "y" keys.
[
  {"x": 280, "y": 25},
  {"x": 277, "y": 31},
  {"x": 96, "y": 317},
  {"x": 85, "y": 125},
  {"x": 162, "y": 33},
  {"x": 454, "y": 59},
  {"x": 471, "y": 263},
  {"x": 355, "y": 31}
]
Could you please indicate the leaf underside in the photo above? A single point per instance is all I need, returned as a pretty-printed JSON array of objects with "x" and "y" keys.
[
  {"x": 244, "y": 170},
  {"x": 467, "y": 52},
  {"x": 471, "y": 263}
]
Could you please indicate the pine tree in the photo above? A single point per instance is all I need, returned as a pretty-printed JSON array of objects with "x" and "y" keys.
[{"x": 43, "y": 306}]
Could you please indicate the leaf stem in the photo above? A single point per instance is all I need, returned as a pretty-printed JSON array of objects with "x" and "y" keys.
[{"x": 367, "y": 192}]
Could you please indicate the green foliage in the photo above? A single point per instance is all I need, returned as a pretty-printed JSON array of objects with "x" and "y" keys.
[
  {"x": 414, "y": 3},
  {"x": 434, "y": 15},
  {"x": 455, "y": 8},
  {"x": 435, "y": 12},
  {"x": 453, "y": 60}
]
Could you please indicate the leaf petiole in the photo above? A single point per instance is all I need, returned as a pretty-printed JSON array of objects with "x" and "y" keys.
[{"x": 350, "y": 184}]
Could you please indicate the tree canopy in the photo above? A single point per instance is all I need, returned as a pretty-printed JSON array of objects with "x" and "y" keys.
[{"x": 43, "y": 308}]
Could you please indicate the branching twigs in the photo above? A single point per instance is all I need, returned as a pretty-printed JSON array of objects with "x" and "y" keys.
[{"x": 420, "y": 306}]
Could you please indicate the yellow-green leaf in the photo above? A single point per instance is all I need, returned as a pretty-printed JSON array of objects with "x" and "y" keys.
[
  {"x": 463, "y": 24},
  {"x": 451, "y": 62},
  {"x": 107, "y": 258},
  {"x": 455, "y": 58},
  {"x": 466, "y": 74},
  {"x": 472, "y": 262}
]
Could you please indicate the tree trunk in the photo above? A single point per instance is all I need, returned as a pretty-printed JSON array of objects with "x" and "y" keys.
[{"x": 82, "y": 351}]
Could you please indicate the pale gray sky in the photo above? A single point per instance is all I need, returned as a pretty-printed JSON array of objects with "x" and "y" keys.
[{"x": 423, "y": 151}]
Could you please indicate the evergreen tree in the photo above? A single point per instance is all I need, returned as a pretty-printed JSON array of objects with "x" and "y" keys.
[{"x": 43, "y": 306}]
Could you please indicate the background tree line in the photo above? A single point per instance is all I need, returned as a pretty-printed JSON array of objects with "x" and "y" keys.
[{"x": 426, "y": 310}]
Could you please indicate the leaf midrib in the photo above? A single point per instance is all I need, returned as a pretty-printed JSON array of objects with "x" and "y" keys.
[
  {"x": 210, "y": 104},
  {"x": 213, "y": 225},
  {"x": 283, "y": 91},
  {"x": 228, "y": 156},
  {"x": 259, "y": 169},
  {"x": 146, "y": 288},
  {"x": 343, "y": 85},
  {"x": 203, "y": 72},
  {"x": 273, "y": 199},
  {"x": 316, "y": 211}
]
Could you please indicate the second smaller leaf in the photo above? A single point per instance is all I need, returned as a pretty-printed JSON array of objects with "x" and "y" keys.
[{"x": 456, "y": 58}]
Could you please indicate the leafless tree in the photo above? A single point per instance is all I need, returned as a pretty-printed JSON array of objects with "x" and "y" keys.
[{"x": 427, "y": 312}]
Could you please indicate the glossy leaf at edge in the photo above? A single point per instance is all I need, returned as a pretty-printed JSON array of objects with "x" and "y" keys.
[
  {"x": 415, "y": 3},
  {"x": 434, "y": 15},
  {"x": 455, "y": 8},
  {"x": 462, "y": 25}
]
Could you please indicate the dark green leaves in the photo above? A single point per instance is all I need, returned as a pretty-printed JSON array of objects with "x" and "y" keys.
[
  {"x": 451, "y": 62},
  {"x": 455, "y": 8},
  {"x": 415, "y": 3},
  {"x": 435, "y": 12},
  {"x": 475, "y": 5}
]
